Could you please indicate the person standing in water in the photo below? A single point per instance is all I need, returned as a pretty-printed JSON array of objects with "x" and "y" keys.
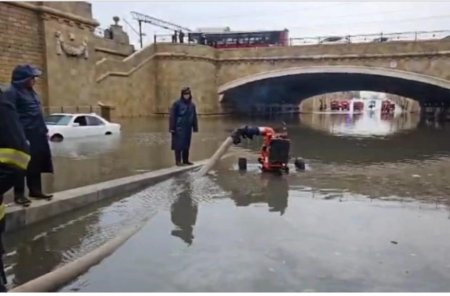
[{"x": 182, "y": 122}]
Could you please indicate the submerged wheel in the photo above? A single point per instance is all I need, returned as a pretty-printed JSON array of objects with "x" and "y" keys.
[
  {"x": 242, "y": 163},
  {"x": 57, "y": 138}
]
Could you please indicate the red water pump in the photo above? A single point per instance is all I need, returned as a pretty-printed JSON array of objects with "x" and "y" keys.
[{"x": 274, "y": 153}]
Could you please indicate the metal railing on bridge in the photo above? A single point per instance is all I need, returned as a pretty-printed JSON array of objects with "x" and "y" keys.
[
  {"x": 347, "y": 39},
  {"x": 372, "y": 38}
]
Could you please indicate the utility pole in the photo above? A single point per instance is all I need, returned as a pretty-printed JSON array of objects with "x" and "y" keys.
[{"x": 140, "y": 34}]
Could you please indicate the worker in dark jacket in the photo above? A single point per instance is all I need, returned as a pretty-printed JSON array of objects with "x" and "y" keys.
[
  {"x": 14, "y": 159},
  {"x": 183, "y": 120},
  {"x": 27, "y": 102}
]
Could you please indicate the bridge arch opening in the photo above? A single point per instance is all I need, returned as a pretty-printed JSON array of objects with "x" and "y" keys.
[{"x": 293, "y": 85}]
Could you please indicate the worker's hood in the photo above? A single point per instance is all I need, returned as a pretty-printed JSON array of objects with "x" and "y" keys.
[{"x": 22, "y": 73}]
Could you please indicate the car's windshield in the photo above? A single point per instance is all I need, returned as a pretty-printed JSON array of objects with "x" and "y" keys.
[{"x": 58, "y": 119}]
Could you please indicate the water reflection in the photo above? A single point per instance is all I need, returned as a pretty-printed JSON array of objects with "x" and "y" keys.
[
  {"x": 88, "y": 147},
  {"x": 183, "y": 213},
  {"x": 346, "y": 246},
  {"x": 271, "y": 190},
  {"x": 361, "y": 125}
]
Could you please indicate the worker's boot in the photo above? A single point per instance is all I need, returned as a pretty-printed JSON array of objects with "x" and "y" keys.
[
  {"x": 186, "y": 158},
  {"x": 40, "y": 195},
  {"x": 20, "y": 199},
  {"x": 178, "y": 158},
  {"x": 35, "y": 187}
]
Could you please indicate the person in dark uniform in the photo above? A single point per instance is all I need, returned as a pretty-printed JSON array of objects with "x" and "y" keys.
[
  {"x": 183, "y": 120},
  {"x": 14, "y": 159},
  {"x": 28, "y": 106}
]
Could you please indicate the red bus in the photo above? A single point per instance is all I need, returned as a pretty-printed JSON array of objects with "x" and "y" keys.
[{"x": 241, "y": 39}]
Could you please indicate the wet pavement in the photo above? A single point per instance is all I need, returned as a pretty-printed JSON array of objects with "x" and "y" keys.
[{"x": 369, "y": 214}]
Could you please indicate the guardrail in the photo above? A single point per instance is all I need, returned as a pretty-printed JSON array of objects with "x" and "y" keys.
[
  {"x": 348, "y": 39},
  {"x": 372, "y": 38},
  {"x": 167, "y": 38}
]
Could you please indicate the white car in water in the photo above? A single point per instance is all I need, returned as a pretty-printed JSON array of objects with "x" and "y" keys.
[{"x": 65, "y": 126}]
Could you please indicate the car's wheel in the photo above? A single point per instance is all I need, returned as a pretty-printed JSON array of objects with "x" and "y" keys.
[
  {"x": 57, "y": 138},
  {"x": 108, "y": 133}
]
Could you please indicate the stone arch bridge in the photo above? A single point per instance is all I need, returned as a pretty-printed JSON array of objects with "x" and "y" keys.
[{"x": 419, "y": 70}]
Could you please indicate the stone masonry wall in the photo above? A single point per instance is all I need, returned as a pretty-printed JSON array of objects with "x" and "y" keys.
[
  {"x": 128, "y": 84},
  {"x": 21, "y": 42},
  {"x": 70, "y": 77},
  {"x": 149, "y": 81},
  {"x": 186, "y": 65},
  {"x": 109, "y": 49}
]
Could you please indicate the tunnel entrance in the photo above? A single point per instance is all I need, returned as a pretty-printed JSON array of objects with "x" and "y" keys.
[{"x": 284, "y": 91}]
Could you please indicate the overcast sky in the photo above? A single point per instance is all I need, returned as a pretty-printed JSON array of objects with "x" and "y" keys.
[{"x": 303, "y": 19}]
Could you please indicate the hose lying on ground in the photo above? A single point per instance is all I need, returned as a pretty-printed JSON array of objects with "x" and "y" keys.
[{"x": 57, "y": 278}]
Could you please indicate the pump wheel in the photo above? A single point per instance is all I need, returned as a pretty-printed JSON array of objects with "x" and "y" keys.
[
  {"x": 299, "y": 164},
  {"x": 242, "y": 163}
]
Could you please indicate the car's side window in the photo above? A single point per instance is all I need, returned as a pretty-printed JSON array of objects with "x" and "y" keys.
[
  {"x": 81, "y": 120},
  {"x": 94, "y": 121}
]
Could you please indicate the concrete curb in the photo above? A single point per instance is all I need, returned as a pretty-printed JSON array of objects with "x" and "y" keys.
[{"x": 68, "y": 200}]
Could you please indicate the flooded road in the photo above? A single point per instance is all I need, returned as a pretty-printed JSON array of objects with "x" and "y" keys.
[
  {"x": 143, "y": 145},
  {"x": 369, "y": 214}
]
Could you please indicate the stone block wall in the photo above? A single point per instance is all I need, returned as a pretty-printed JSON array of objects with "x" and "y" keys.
[
  {"x": 69, "y": 76},
  {"x": 132, "y": 93},
  {"x": 128, "y": 85},
  {"x": 21, "y": 42},
  {"x": 185, "y": 65},
  {"x": 109, "y": 49}
]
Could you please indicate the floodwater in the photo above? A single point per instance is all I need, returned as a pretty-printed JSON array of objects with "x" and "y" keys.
[{"x": 369, "y": 214}]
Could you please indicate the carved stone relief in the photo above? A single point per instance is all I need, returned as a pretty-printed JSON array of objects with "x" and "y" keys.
[{"x": 70, "y": 50}]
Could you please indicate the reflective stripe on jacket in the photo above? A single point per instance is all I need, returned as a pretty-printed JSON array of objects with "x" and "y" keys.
[
  {"x": 14, "y": 157},
  {"x": 2, "y": 211}
]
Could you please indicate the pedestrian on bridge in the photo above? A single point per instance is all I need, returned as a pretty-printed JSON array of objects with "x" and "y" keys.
[
  {"x": 182, "y": 122},
  {"x": 181, "y": 36},
  {"x": 14, "y": 159},
  {"x": 174, "y": 37},
  {"x": 21, "y": 93}
]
